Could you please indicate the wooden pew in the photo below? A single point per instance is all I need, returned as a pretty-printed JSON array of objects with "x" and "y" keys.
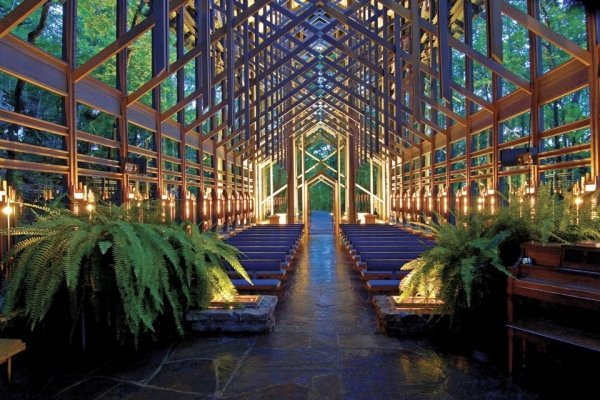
[
  {"x": 576, "y": 285},
  {"x": 9, "y": 348},
  {"x": 257, "y": 286},
  {"x": 390, "y": 286}
]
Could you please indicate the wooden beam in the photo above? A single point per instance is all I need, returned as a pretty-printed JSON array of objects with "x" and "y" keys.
[
  {"x": 160, "y": 36},
  {"x": 344, "y": 19},
  {"x": 494, "y": 31},
  {"x": 29, "y": 63},
  {"x": 230, "y": 65},
  {"x": 415, "y": 50},
  {"x": 546, "y": 33},
  {"x": 445, "y": 66},
  {"x": 31, "y": 122},
  {"x": 491, "y": 64},
  {"x": 119, "y": 44},
  {"x": 18, "y": 15},
  {"x": 593, "y": 21}
]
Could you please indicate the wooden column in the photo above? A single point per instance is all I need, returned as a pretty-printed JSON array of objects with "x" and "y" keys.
[
  {"x": 181, "y": 116},
  {"x": 291, "y": 181},
  {"x": 338, "y": 207},
  {"x": 70, "y": 102},
  {"x": 122, "y": 86},
  {"x": 215, "y": 189},
  {"x": 305, "y": 209},
  {"x": 594, "y": 45},
  {"x": 535, "y": 70},
  {"x": 351, "y": 181}
]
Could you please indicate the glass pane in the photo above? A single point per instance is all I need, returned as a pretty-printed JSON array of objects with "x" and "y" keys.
[
  {"x": 96, "y": 122},
  {"x": 140, "y": 137},
  {"x": 570, "y": 108},
  {"x": 43, "y": 28},
  {"x": 515, "y": 128},
  {"x": 515, "y": 38},
  {"x": 28, "y": 99}
]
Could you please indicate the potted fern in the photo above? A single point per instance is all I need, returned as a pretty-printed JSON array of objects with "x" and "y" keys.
[
  {"x": 456, "y": 270},
  {"x": 553, "y": 220},
  {"x": 467, "y": 268},
  {"x": 466, "y": 273},
  {"x": 541, "y": 215},
  {"x": 119, "y": 274}
]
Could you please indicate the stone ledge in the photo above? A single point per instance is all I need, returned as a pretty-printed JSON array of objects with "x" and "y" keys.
[
  {"x": 393, "y": 321},
  {"x": 236, "y": 320}
]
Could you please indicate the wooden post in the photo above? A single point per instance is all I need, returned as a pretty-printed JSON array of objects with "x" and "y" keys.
[
  {"x": 70, "y": 102},
  {"x": 351, "y": 186},
  {"x": 593, "y": 20},
  {"x": 291, "y": 181}
]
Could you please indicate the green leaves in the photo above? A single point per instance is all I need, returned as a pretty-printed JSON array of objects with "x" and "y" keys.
[
  {"x": 104, "y": 246},
  {"x": 456, "y": 269},
  {"x": 131, "y": 275},
  {"x": 470, "y": 256}
]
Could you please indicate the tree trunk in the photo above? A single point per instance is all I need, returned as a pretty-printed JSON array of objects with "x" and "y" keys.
[{"x": 134, "y": 21}]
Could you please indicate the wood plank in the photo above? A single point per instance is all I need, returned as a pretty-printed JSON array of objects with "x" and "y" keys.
[
  {"x": 546, "y": 33},
  {"x": 445, "y": 73},
  {"x": 494, "y": 32},
  {"x": 24, "y": 60},
  {"x": 491, "y": 64},
  {"x": 18, "y": 15},
  {"x": 113, "y": 48},
  {"x": 31, "y": 122}
]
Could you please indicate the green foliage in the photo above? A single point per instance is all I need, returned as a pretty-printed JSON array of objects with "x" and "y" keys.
[
  {"x": 456, "y": 269},
  {"x": 131, "y": 274},
  {"x": 553, "y": 218},
  {"x": 321, "y": 197},
  {"x": 470, "y": 258}
]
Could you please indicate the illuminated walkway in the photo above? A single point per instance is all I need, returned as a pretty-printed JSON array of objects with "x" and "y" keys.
[{"x": 324, "y": 347}]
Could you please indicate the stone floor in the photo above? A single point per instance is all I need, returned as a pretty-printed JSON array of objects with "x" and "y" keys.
[{"x": 325, "y": 346}]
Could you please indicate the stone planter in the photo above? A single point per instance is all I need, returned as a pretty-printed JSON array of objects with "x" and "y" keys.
[
  {"x": 235, "y": 320},
  {"x": 410, "y": 319},
  {"x": 547, "y": 254}
]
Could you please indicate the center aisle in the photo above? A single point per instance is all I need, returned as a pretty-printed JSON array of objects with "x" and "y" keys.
[{"x": 325, "y": 345}]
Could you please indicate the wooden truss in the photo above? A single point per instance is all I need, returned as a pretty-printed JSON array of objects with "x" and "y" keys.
[{"x": 376, "y": 71}]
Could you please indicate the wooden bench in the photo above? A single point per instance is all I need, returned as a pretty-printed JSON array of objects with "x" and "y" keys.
[
  {"x": 292, "y": 245},
  {"x": 265, "y": 255},
  {"x": 533, "y": 330},
  {"x": 382, "y": 274},
  {"x": 253, "y": 249},
  {"x": 383, "y": 286},
  {"x": 392, "y": 255},
  {"x": 379, "y": 265},
  {"x": 257, "y": 286},
  {"x": 261, "y": 274},
  {"x": 543, "y": 284},
  {"x": 8, "y": 348},
  {"x": 256, "y": 264}
]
